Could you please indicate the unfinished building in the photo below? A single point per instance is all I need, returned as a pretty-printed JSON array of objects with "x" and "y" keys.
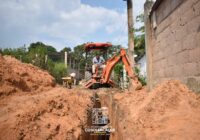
[{"x": 173, "y": 42}]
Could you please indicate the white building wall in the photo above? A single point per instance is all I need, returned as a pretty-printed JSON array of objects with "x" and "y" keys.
[{"x": 142, "y": 66}]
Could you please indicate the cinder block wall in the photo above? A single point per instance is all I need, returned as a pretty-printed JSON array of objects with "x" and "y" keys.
[{"x": 175, "y": 43}]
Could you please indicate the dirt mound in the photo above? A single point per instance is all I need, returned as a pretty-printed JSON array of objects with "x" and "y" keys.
[
  {"x": 170, "y": 111},
  {"x": 16, "y": 77},
  {"x": 59, "y": 114},
  {"x": 54, "y": 113}
]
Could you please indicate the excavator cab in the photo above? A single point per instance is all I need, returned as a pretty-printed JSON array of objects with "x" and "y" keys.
[
  {"x": 93, "y": 49},
  {"x": 102, "y": 79}
]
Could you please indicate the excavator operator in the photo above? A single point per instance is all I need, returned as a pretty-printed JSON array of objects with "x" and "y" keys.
[{"x": 98, "y": 61}]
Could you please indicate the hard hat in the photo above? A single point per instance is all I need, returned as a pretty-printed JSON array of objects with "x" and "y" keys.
[{"x": 73, "y": 74}]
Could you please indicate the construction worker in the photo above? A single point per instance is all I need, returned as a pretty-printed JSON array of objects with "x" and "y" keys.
[
  {"x": 69, "y": 80},
  {"x": 97, "y": 61}
]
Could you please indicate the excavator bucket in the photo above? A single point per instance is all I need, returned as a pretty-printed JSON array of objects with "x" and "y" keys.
[{"x": 135, "y": 84}]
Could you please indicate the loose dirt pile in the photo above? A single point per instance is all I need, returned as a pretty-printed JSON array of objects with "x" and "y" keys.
[
  {"x": 20, "y": 77},
  {"x": 170, "y": 111},
  {"x": 58, "y": 114},
  {"x": 53, "y": 113}
]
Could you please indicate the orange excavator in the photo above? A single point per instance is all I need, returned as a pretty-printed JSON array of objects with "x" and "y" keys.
[{"x": 102, "y": 78}]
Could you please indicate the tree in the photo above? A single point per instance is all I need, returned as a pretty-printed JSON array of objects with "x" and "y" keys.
[
  {"x": 79, "y": 54},
  {"x": 48, "y": 49},
  {"x": 140, "y": 46},
  {"x": 37, "y": 53},
  {"x": 19, "y": 53},
  {"x": 139, "y": 38},
  {"x": 66, "y": 49},
  {"x": 57, "y": 70},
  {"x": 115, "y": 49}
]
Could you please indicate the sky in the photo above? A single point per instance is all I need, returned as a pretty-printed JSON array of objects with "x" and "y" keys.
[{"x": 64, "y": 23}]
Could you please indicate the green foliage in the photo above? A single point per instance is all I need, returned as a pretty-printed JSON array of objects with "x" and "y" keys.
[
  {"x": 61, "y": 54},
  {"x": 114, "y": 50},
  {"x": 79, "y": 54},
  {"x": 139, "y": 46},
  {"x": 139, "y": 49},
  {"x": 19, "y": 53},
  {"x": 141, "y": 78},
  {"x": 48, "y": 49},
  {"x": 139, "y": 38},
  {"x": 57, "y": 70},
  {"x": 35, "y": 54},
  {"x": 38, "y": 51},
  {"x": 50, "y": 67},
  {"x": 140, "y": 18},
  {"x": 67, "y": 49},
  {"x": 118, "y": 70}
]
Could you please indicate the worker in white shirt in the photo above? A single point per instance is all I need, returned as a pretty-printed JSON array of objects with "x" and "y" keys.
[{"x": 97, "y": 61}]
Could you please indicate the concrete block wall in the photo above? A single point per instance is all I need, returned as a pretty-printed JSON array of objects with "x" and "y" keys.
[{"x": 175, "y": 43}]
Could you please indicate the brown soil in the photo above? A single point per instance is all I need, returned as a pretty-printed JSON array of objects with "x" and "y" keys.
[
  {"x": 32, "y": 107},
  {"x": 170, "y": 111},
  {"x": 55, "y": 114},
  {"x": 20, "y": 77}
]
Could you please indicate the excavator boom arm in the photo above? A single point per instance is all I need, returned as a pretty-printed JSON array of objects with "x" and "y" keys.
[
  {"x": 113, "y": 61},
  {"x": 109, "y": 67}
]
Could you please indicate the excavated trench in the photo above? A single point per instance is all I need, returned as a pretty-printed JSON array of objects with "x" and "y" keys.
[
  {"x": 114, "y": 115},
  {"x": 95, "y": 131}
]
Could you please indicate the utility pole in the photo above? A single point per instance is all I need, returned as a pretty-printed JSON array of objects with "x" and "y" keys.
[
  {"x": 148, "y": 48},
  {"x": 46, "y": 59},
  {"x": 65, "y": 58},
  {"x": 130, "y": 37},
  {"x": 130, "y": 32}
]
